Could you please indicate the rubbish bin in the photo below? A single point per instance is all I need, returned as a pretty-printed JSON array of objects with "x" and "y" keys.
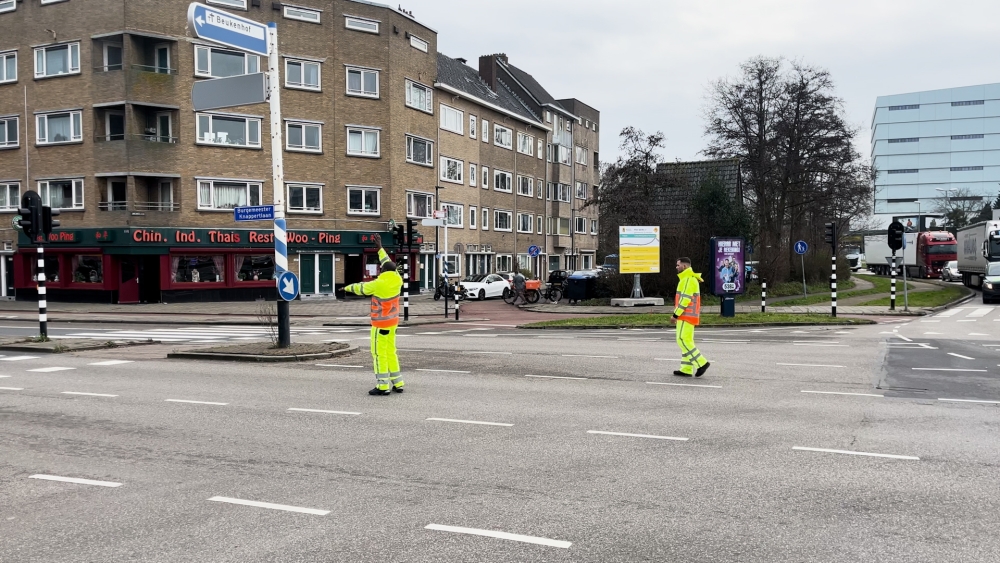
[{"x": 581, "y": 285}]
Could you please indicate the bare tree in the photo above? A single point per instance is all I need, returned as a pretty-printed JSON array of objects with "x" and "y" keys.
[{"x": 960, "y": 207}]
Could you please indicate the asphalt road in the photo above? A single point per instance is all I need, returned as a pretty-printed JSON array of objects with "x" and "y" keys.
[{"x": 580, "y": 444}]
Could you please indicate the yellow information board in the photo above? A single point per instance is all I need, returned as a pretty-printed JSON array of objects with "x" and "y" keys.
[{"x": 639, "y": 250}]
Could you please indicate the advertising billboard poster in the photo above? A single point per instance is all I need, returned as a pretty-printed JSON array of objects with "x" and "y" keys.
[
  {"x": 639, "y": 250},
  {"x": 728, "y": 266}
]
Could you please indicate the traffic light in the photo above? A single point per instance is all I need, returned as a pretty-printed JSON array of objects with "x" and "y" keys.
[
  {"x": 398, "y": 235},
  {"x": 831, "y": 234},
  {"x": 410, "y": 232},
  {"x": 895, "y": 235},
  {"x": 31, "y": 214},
  {"x": 47, "y": 222}
]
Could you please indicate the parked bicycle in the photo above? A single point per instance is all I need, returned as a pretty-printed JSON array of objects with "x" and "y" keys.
[{"x": 532, "y": 292}]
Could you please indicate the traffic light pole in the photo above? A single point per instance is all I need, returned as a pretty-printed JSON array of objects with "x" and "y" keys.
[
  {"x": 833, "y": 284},
  {"x": 43, "y": 319},
  {"x": 892, "y": 283}
]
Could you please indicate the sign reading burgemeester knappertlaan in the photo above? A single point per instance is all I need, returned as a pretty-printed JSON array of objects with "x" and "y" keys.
[{"x": 638, "y": 250}]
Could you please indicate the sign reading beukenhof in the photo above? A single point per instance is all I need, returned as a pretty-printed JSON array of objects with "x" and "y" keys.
[{"x": 225, "y": 28}]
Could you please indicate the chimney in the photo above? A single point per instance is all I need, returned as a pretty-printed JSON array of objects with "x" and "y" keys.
[
  {"x": 461, "y": 60},
  {"x": 488, "y": 69}
]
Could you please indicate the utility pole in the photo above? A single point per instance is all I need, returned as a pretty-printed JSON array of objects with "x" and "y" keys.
[{"x": 278, "y": 181}]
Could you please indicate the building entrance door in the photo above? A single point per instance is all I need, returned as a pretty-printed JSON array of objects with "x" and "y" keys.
[
  {"x": 149, "y": 279},
  {"x": 128, "y": 288},
  {"x": 317, "y": 274},
  {"x": 307, "y": 274},
  {"x": 353, "y": 268},
  {"x": 325, "y": 274}
]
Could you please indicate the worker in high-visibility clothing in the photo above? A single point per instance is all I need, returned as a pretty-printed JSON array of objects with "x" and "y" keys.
[
  {"x": 384, "y": 318},
  {"x": 687, "y": 311}
]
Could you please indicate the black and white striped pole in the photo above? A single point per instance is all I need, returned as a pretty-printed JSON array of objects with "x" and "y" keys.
[
  {"x": 892, "y": 283},
  {"x": 833, "y": 285},
  {"x": 43, "y": 319},
  {"x": 763, "y": 296},
  {"x": 406, "y": 287}
]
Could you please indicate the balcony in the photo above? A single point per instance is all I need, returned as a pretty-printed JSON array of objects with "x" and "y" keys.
[
  {"x": 168, "y": 207},
  {"x": 151, "y": 84}
]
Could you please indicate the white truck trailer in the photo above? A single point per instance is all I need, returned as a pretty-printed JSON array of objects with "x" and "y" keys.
[{"x": 978, "y": 245}]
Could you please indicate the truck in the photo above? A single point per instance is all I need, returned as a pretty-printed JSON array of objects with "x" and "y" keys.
[
  {"x": 924, "y": 255},
  {"x": 855, "y": 258},
  {"x": 979, "y": 245}
]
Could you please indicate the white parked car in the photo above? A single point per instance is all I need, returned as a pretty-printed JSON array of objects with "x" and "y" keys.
[
  {"x": 483, "y": 286},
  {"x": 950, "y": 272}
]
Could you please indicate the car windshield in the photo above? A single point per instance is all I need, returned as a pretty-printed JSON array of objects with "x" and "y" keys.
[
  {"x": 994, "y": 269},
  {"x": 953, "y": 264},
  {"x": 942, "y": 248},
  {"x": 475, "y": 278}
]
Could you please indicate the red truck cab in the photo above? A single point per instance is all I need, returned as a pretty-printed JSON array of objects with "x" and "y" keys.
[{"x": 934, "y": 250}]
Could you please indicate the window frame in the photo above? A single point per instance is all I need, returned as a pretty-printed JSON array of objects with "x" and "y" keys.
[
  {"x": 443, "y": 165},
  {"x": 4, "y": 79},
  {"x": 212, "y": 181},
  {"x": 303, "y": 86},
  {"x": 485, "y": 223},
  {"x": 445, "y": 111},
  {"x": 364, "y": 131},
  {"x": 531, "y": 222},
  {"x": 527, "y": 140},
  {"x": 409, "y": 151},
  {"x": 410, "y": 85},
  {"x": 286, "y": 7},
  {"x": 473, "y": 175},
  {"x": 581, "y": 153},
  {"x": 362, "y": 93},
  {"x": 528, "y": 183},
  {"x": 419, "y": 44},
  {"x": 12, "y": 206},
  {"x": 6, "y": 143},
  {"x": 473, "y": 217},
  {"x": 446, "y": 206},
  {"x": 539, "y": 184},
  {"x": 305, "y": 186},
  {"x": 410, "y": 195},
  {"x": 303, "y": 124},
  {"x": 349, "y": 19},
  {"x": 208, "y": 74},
  {"x": 473, "y": 132},
  {"x": 486, "y": 177},
  {"x": 104, "y": 55},
  {"x": 497, "y": 213},
  {"x": 581, "y": 187},
  {"x": 593, "y": 226},
  {"x": 76, "y": 136},
  {"x": 509, "y": 182},
  {"x": 11, "y": 5},
  {"x": 46, "y": 194},
  {"x": 239, "y": 4},
  {"x": 69, "y": 62},
  {"x": 538, "y": 221},
  {"x": 498, "y": 133},
  {"x": 200, "y": 138},
  {"x": 505, "y": 259},
  {"x": 364, "y": 190},
  {"x": 576, "y": 227},
  {"x": 484, "y": 127}
]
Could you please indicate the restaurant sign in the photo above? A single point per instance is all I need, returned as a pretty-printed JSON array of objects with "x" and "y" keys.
[{"x": 207, "y": 238}]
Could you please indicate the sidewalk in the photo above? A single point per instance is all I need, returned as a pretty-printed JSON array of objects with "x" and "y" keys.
[{"x": 823, "y": 309}]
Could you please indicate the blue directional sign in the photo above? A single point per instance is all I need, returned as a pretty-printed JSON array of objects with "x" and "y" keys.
[
  {"x": 288, "y": 286},
  {"x": 222, "y": 27},
  {"x": 254, "y": 213},
  {"x": 801, "y": 247},
  {"x": 534, "y": 251}
]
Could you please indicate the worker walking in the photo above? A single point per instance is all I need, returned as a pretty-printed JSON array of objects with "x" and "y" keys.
[
  {"x": 384, "y": 318},
  {"x": 687, "y": 311}
]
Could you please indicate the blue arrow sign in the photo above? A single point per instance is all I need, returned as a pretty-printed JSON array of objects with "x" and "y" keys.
[
  {"x": 288, "y": 286},
  {"x": 225, "y": 28},
  {"x": 801, "y": 247},
  {"x": 534, "y": 251},
  {"x": 254, "y": 213}
]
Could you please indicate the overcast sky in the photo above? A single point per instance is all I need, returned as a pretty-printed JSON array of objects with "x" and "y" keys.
[{"x": 648, "y": 63}]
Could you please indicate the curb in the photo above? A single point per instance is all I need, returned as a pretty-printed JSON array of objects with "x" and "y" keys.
[
  {"x": 98, "y": 345},
  {"x": 259, "y": 358},
  {"x": 863, "y": 322}
]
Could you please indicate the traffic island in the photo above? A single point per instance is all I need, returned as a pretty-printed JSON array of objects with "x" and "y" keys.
[
  {"x": 653, "y": 320},
  {"x": 267, "y": 352},
  {"x": 63, "y": 345}
]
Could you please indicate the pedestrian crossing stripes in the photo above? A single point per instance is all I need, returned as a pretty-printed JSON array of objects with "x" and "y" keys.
[
  {"x": 198, "y": 334},
  {"x": 969, "y": 314}
]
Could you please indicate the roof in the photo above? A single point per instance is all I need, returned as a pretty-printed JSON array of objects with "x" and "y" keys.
[
  {"x": 534, "y": 89},
  {"x": 681, "y": 180},
  {"x": 466, "y": 79}
]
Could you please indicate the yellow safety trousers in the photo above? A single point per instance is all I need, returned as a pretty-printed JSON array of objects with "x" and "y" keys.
[
  {"x": 385, "y": 359},
  {"x": 691, "y": 358}
]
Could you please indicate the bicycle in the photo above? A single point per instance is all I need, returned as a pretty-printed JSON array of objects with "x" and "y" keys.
[
  {"x": 553, "y": 293},
  {"x": 531, "y": 293}
]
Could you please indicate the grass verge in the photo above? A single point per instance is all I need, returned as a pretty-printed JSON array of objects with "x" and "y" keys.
[
  {"x": 924, "y": 298},
  {"x": 662, "y": 320},
  {"x": 881, "y": 286}
]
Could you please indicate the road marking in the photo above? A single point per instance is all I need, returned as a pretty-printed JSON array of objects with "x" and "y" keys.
[
  {"x": 337, "y": 366},
  {"x": 977, "y": 334},
  {"x": 284, "y": 507},
  {"x": 844, "y": 393},
  {"x": 51, "y": 369},
  {"x": 960, "y": 356},
  {"x": 827, "y": 345},
  {"x": 470, "y": 422},
  {"x": 111, "y": 363},
  {"x": 480, "y": 335},
  {"x": 493, "y": 325},
  {"x": 813, "y": 365},
  {"x": 904, "y": 338},
  {"x": 929, "y": 333},
  {"x": 966, "y": 320},
  {"x": 194, "y": 402},
  {"x": 667, "y": 359},
  {"x": 949, "y": 313},
  {"x": 891, "y": 456},
  {"x": 726, "y": 341},
  {"x": 11, "y": 388},
  {"x": 990, "y": 345},
  {"x": 87, "y": 394},
  {"x": 946, "y": 369},
  {"x": 500, "y": 535},
  {"x": 75, "y": 480},
  {"x": 502, "y": 353},
  {"x": 3, "y": 376},
  {"x": 970, "y": 401},
  {"x": 980, "y": 312},
  {"x": 683, "y": 384},
  {"x": 407, "y": 350},
  {"x": 445, "y": 370},
  {"x": 586, "y": 356},
  {"x": 557, "y": 377},
  {"x": 930, "y": 321},
  {"x": 637, "y": 435},
  {"x": 326, "y": 412},
  {"x": 18, "y": 358}
]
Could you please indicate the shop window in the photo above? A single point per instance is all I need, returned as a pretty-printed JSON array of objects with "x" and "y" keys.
[
  {"x": 198, "y": 269},
  {"x": 254, "y": 267},
  {"x": 88, "y": 269},
  {"x": 51, "y": 269}
]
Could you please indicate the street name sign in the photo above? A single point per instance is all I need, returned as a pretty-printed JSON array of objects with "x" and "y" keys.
[
  {"x": 288, "y": 285},
  {"x": 227, "y": 29},
  {"x": 254, "y": 213},
  {"x": 432, "y": 222},
  {"x": 218, "y": 93},
  {"x": 639, "y": 250}
]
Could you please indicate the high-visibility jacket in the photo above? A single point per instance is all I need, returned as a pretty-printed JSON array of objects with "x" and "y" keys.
[
  {"x": 687, "y": 301},
  {"x": 385, "y": 295}
]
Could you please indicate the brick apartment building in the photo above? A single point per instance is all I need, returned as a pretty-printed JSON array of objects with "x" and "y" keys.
[{"x": 96, "y": 116}]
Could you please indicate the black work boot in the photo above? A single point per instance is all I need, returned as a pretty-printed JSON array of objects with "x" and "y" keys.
[
  {"x": 701, "y": 371},
  {"x": 377, "y": 391},
  {"x": 680, "y": 373},
  {"x": 399, "y": 389}
]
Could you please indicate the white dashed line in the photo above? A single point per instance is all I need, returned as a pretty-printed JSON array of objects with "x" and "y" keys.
[
  {"x": 812, "y": 344},
  {"x": 868, "y": 454},
  {"x": 445, "y": 370},
  {"x": 947, "y": 369},
  {"x": 18, "y": 358},
  {"x": 813, "y": 365},
  {"x": 194, "y": 402},
  {"x": 500, "y": 353},
  {"x": 844, "y": 393},
  {"x": 637, "y": 435},
  {"x": 557, "y": 377},
  {"x": 470, "y": 422},
  {"x": 586, "y": 356},
  {"x": 960, "y": 356},
  {"x": 966, "y": 320},
  {"x": 684, "y": 384},
  {"x": 970, "y": 401},
  {"x": 337, "y": 366},
  {"x": 284, "y": 507},
  {"x": 977, "y": 334},
  {"x": 50, "y": 369},
  {"x": 111, "y": 363},
  {"x": 75, "y": 480},
  {"x": 667, "y": 359},
  {"x": 11, "y": 388},
  {"x": 87, "y": 394},
  {"x": 500, "y": 535},
  {"x": 326, "y": 412}
]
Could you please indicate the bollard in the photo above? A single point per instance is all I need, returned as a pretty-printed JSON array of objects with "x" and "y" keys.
[{"x": 763, "y": 296}]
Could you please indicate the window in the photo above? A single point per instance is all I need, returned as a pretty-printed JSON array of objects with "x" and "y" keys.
[
  {"x": 10, "y": 196},
  {"x": 473, "y": 176},
  {"x": 502, "y": 181},
  {"x": 161, "y": 196},
  {"x": 8, "y": 132},
  {"x": 114, "y": 126},
  {"x": 502, "y": 136},
  {"x": 363, "y": 142},
  {"x": 305, "y": 198},
  {"x": 64, "y": 127},
  {"x": 419, "y": 205},
  {"x": 8, "y": 67},
  {"x": 7, "y": 5},
  {"x": 581, "y": 155},
  {"x": 968, "y": 103},
  {"x": 419, "y": 97},
  {"x": 486, "y": 178},
  {"x": 593, "y": 227},
  {"x": 581, "y": 225},
  {"x": 550, "y": 191},
  {"x": 219, "y": 63},
  {"x": 419, "y": 151},
  {"x": 505, "y": 263},
  {"x": 366, "y": 201},
  {"x": 227, "y": 194},
  {"x": 965, "y": 168},
  {"x": 359, "y": 24},
  {"x": 473, "y": 216},
  {"x": 254, "y": 267},
  {"x": 231, "y": 3},
  {"x": 451, "y": 119},
  {"x": 472, "y": 127},
  {"x": 452, "y": 263},
  {"x": 581, "y": 190},
  {"x": 898, "y": 108},
  {"x": 548, "y": 153},
  {"x": 562, "y": 226},
  {"x": 539, "y": 182},
  {"x": 57, "y": 60},
  {"x": 538, "y": 219},
  {"x": 62, "y": 194},
  {"x": 454, "y": 213},
  {"x": 486, "y": 218},
  {"x": 564, "y": 155},
  {"x": 419, "y": 44},
  {"x": 451, "y": 170},
  {"x": 525, "y": 186},
  {"x": 301, "y": 14},
  {"x": 588, "y": 261},
  {"x": 198, "y": 269},
  {"x": 486, "y": 131},
  {"x": 362, "y": 82},
  {"x": 965, "y": 137},
  {"x": 502, "y": 220},
  {"x": 905, "y": 140},
  {"x": 548, "y": 116},
  {"x": 301, "y": 74},
  {"x": 525, "y": 222},
  {"x": 525, "y": 144},
  {"x": 228, "y": 130},
  {"x": 903, "y": 171},
  {"x": 540, "y": 148},
  {"x": 162, "y": 59},
  {"x": 563, "y": 192},
  {"x": 597, "y": 161},
  {"x": 303, "y": 137},
  {"x": 112, "y": 56},
  {"x": 87, "y": 268}
]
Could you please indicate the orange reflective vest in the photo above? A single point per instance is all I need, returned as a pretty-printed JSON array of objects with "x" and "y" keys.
[
  {"x": 687, "y": 300},
  {"x": 384, "y": 291},
  {"x": 385, "y": 312}
]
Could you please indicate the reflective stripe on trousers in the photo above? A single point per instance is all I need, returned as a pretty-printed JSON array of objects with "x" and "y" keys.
[
  {"x": 691, "y": 357},
  {"x": 385, "y": 359}
]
